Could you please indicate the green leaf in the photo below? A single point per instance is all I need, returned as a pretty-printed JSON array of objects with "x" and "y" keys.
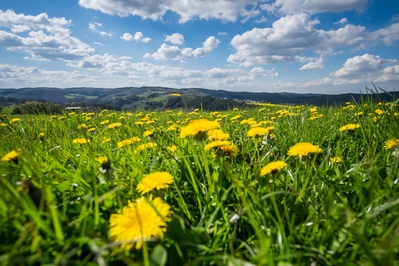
[{"x": 159, "y": 256}]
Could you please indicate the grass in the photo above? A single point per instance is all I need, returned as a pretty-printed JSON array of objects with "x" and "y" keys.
[
  {"x": 56, "y": 203},
  {"x": 7, "y": 110}
]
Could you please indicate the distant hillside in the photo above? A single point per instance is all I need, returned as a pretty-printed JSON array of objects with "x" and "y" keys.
[{"x": 162, "y": 97}]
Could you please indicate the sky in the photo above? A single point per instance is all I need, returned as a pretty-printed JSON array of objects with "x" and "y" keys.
[{"x": 302, "y": 46}]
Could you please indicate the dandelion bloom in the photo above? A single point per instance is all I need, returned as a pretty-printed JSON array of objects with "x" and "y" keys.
[
  {"x": 139, "y": 221},
  {"x": 198, "y": 127},
  {"x": 223, "y": 147},
  {"x": 336, "y": 159},
  {"x": 272, "y": 167},
  {"x": 104, "y": 122},
  {"x": 391, "y": 143},
  {"x": 92, "y": 129},
  {"x": 105, "y": 140},
  {"x": 259, "y": 131},
  {"x": 349, "y": 127},
  {"x": 217, "y": 134},
  {"x": 145, "y": 146},
  {"x": 148, "y": 133},
  {"x": 41, "y": 136},
  {"x": 124, "y": 143},
  {"x": 3, "y": 124},
  {"x": 15, "y": 120},
  {"x": 303, "y": 149},
  {"x": 12, "y": 156},
  {"x": 105, "y": 163},
  {"x": 114, "y": 125},
  {"x": 81, "y": 141},
  {"x": 157, "y": 180},
  {"x": 82, "y": 126}
]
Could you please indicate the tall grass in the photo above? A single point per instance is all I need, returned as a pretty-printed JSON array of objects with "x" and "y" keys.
[{"x": 56, "y": 203}]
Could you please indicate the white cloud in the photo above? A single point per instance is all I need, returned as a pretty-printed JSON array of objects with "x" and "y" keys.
[
  {"x": 362, "y": 66},
  {"x": 222, "y": 33},
  {"x": 318, "y": 64},
  {"x": 261, "y": 20},
  {"x": 46, "y": 38},
  {"x": 233, "y": 75},
  {"x": 342, "y": 21},
  {"x": 293, "y": 36},
  {"x": 25, "y": 76},
  {"x": 175, "y": 38},
  {"x": 166, "y": 52},
  {"x": 127, "y": 37},
  {"x": 93, "y": 26},
  {"x": 138, "y": 36},
  {"x": 207, "y": 9},
  {"x": 388, "y": 34},
  {"x": 313, "y": 6}
]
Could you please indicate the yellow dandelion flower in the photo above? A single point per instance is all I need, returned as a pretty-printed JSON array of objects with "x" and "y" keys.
[
  {"x": 222, "y": 147},
  {"x": 336, "y": 159},
  {"x": 272, "y": 167},
  {"x": 105, "y": 140},
  {"x": 82, "y": 126},
  {"x": 217, "y": 134},
  {"x": 148, "y": 133},
  {"x": 3, "y": 125},
  {"x": 61, "y": 118},
  {"x": 172, "y": 148},
  {"x": 259, "y": 131},
  {"x": 172, "y": 128},
  {"x": 114, "y": 125},
  {"x": 135, "y": 139},
  {"x": 104, "y": 122},
  {"x": 105, "y": 163},
  {"x": 379, "y": 111},
  {"x": 41, "y": 136},
  {"x": 139, "y": 221},
  {"x": 12, "y": 156},
  {"x": 349, "y": 127},
  {"x": 157, "y": 180},
  {"x": 92, "y": 129},
  {"x": 15, "y": 120},
  {"x": 81, "y": 141},
  {"x": 198, "y": 127},
  {"x": 124, "y": 143},
  {"x": 145, "y": 146},
  {"x": 139, "y": 123},
  {"x": 303, "y": 149},
  {"x": 391, "y": 143}
]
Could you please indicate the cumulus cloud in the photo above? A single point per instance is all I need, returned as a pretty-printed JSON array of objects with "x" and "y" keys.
[
  {"x": 233, "y": 75},
  {"x": 342, "y": 21},
  {"x": 175, "y": 38},
  {"x": 138, "y": 36},
  {"x": 361, "y": 66},
  {"x": 208, "y": 9},
  {"x": 318, "y": 64},
  {"x": 44, "y": 38},
  {"x": 166, "y": 52},
  {"x": 292, "y": 36},
  {"x": 313, "y": 6},
  {"x": 93, "y": 26}
]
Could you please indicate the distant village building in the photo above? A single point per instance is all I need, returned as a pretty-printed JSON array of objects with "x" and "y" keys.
[{"x": 73, "y": 108}]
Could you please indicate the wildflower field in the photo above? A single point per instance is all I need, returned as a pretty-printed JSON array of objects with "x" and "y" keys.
[{"x": 271, "y": 185}]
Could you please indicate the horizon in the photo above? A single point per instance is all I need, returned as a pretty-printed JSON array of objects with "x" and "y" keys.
[{"x": 279, "y": 46}]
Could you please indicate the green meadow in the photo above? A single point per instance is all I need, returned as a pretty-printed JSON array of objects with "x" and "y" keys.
[{"x": 271, "y": 185}]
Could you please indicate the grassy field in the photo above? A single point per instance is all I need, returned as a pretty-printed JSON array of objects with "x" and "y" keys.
[
  {"x": 272, "y": 185},
  {"x": 74, "y": 95}
]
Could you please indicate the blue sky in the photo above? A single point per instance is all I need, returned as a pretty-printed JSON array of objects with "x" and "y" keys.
[{"x": 299, "y": 46}]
